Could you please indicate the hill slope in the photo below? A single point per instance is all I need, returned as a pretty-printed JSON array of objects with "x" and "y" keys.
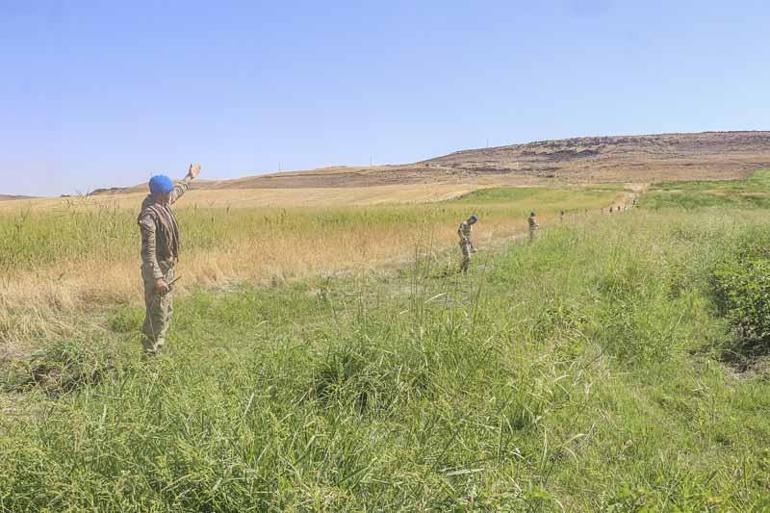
[
  {"x": 9, "y": 197},
  {"x": 643, "y": 158}
]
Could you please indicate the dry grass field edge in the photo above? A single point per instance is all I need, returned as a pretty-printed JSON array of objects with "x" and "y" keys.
[{"x": 79, "y": 259}]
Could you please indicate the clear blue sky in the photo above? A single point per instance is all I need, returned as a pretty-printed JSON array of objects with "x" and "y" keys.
[{"x": 106, "y": 93}]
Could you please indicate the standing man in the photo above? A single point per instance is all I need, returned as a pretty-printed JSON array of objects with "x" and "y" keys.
[
  {"x": 160, "y": 253},
  {"x": 466, "y": 245},
  {"x": 533, "y": 226}
]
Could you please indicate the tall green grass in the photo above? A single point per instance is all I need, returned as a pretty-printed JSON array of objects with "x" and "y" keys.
[{"x": 578, "y": 373}]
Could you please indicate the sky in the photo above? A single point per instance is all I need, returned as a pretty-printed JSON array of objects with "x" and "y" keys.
[{"x": 104, "y": 93}]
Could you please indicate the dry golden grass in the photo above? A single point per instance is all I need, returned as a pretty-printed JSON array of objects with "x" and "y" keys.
[
  {"x": 280, "y": 256},
  {"x": 249, "y": 198},
  {"x": 233, "y": 235}
]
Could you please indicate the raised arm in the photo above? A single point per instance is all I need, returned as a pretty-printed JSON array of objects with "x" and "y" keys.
[{"x": 182, "y": 185}]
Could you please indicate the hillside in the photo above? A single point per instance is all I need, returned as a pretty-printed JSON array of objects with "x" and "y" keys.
[
  {"x": 643, "y": 158},
  {"x": 646, "y": 158}
]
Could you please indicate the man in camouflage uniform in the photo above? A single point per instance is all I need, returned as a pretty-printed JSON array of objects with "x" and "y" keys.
[
  {"x": 533, "y": 226},
  {"x": 160, "y": 253},
  {"x": 466, "y": 245}
]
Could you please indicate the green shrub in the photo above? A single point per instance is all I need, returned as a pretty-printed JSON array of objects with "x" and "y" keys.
[
  {"x": 742, "y": 291},
  {"x": 741, "y": 288}
]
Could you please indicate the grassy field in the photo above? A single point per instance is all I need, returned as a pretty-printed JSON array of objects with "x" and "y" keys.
[
  {"x": 593, "y": 370},
  {"x": 258, "y": 198},
  {"x": 753, "y": 192},
  {"x": 72, "y": 255}
]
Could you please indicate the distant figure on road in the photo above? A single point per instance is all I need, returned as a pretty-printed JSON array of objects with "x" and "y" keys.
[
  {"x": 611, "y": 210},
  {"x": 533, "y": 226},
  {"x": 561, "y": 216},
  {"x": 466, "y": 244},
  {"x": 160, "y": 252}
]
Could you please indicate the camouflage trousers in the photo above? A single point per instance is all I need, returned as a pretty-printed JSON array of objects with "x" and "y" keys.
[
  {"x": 158, "y": 309},
  {"x": 465, "y": 249}
]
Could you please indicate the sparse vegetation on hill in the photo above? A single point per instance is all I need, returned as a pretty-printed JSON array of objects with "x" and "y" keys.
[{"x": 580, "y": 160}]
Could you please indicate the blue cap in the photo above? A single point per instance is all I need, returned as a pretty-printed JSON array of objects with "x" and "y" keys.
[{"x": 161, "y": 184}]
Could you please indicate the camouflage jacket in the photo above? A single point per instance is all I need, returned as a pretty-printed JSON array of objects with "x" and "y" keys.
[
  {"x": 532, "y": 223},
  {"x": 161, "y": 241},
  {"x": 464, "y": 232}
]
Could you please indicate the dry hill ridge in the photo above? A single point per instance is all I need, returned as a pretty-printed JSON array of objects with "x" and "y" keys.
[
  {"x": 8, "y": 197},
  {"x": 638, "y": 158}
]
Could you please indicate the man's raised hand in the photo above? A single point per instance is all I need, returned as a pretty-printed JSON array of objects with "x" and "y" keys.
[{"x": 194, "y": 171}]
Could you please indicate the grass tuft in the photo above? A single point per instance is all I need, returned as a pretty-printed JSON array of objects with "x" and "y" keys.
[{"x": 59, "y": 369}]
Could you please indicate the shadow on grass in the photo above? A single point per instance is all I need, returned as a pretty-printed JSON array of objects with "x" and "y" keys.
[
  {"x": 746, "y": 355},
  {"x": 57, "y": 370}
]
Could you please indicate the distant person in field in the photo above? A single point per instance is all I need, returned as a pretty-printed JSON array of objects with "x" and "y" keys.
[
  {"x": 466, "y": 244},
  {"x": 561, "y": 216},
  {"x": 533, "y": 226},
  {"x": 160, "y": 253}
]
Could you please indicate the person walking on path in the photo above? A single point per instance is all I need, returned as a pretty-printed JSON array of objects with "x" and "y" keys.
[
  {"x": 466, "y": 244},
  {"x": 533, "y": 226},
  {"x": 160, "y": 253}
]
